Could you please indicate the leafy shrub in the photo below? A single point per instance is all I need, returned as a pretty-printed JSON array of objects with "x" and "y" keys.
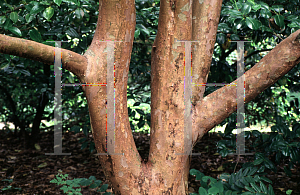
[
  {"x": 279, "y": 145},
  {"x": 240, "y": 183},
  {"x": 74, "y": 186}
]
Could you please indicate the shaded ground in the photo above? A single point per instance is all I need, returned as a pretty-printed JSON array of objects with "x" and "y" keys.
[{"x": 31, "y": 170}]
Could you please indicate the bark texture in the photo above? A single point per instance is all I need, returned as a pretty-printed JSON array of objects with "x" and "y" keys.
[{"x": 166, "y": 171}]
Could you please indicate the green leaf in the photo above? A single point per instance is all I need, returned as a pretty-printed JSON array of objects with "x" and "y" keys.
[
  {"x": 35, "y": 35},
  {"x": 264, "y": 5},
  {"x": 213, "y": 190},
  {"x": 85, "y": 182},
  {"x": 58, "y": 2},
  {"x": 252, "y": 170},
  {"x": 228, "y": 192},
  {"x": 279, "y": 20},
  {"x": 15, "y": 30},
  {"x": 221, "y": 38},
  {"x": 36, "y": 9},
  {"x": 270, "y": 190},
  {"x": 234, "y": 37},
  {"x": 247, "y": 193},
  {"x": 14, "y": 17},
  {"x": 256, "y": 133},
  {"x": 206, "y": 178},
  {"x": 255, "y": 187},
  {"x": 286, "y": 151},
  {"x": 253, "y": 23},
  {"x": 224, "y": 28},
  {"x": 137, "y": 33},
  {"x": 140, "y": 111},
  {"x": 256, "y": 7},
  {"x": 2, "y": 19},
  {"x": 250, "y": 189},
  {"x": 196, "y": 173},
  {"x": 76, "y": 129},
  {"x": 265, "y": 13},
  {"x": 48, "y": 13},
  {"x": 72, "y": 1},
  {"x": 29, "y": 18},
  {"x": 136, "y": 103},
  {"x": 72, "y": 32},
  {"x": 265, "y": 179},
  {"x": 79, "y": 13},
  {"x": 277, "y": 8},
  {"x": 263, "y": 187},
  {"x": 258, "y": 161},
  {"x": 103, "y": 187},
  {"x": 202, "y": 191},
  {"x": 246, "y": 8},
  {"x": 85, "y": 131}
]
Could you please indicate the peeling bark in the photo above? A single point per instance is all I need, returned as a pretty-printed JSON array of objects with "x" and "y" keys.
[{"x": 166, "y": 172}]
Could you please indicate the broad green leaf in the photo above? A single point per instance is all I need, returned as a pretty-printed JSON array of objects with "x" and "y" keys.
[
  {"x": 246, "y": 9},
  {"x": 58, "y": 2},
  {"x": 48, "y": 13},
  {"x": 15, "y": 30},
  {"x": 35, "y": 35},
  {"x": 256, "y": 7},
  {"x": 79, "y": 13},
  {"x": 279, "y": 20},
  {"x": 234, "y": 37},
  {"x": 14, "y": 16},
  {"x": 202, "y": 191},
  {"x": 103, "y": 187},
  {"x": 264, "y": 5},
  {"x": 36, "y": 9},
  {"x": 265, "y": 13},
  {"x": 253, "y": 23},
  {"x": 2, "y": 19},
  {"x": 277, "y": 8},
  {"x": 29, "y": 18},
  {"x": 213, "y": 190},
  {"x": 221, "y": 38}
]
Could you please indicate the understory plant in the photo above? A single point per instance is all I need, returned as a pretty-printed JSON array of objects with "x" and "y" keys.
[{"x": 74, "y": 186}]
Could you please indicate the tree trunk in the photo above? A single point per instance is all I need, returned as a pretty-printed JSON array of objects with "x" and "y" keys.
[{"x": 167, "y": 169}]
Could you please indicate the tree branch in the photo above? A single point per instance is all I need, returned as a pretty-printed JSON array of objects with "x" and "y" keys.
[
  {"x": 265, "y": 73},
  {"x": 43, "y": 53}
]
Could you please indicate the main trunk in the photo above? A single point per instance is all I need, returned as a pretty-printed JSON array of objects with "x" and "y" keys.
[{"x": 167, "y": 169}]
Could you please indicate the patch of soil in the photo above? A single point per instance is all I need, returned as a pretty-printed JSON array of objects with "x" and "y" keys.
[{"x": 32, "y": 170}]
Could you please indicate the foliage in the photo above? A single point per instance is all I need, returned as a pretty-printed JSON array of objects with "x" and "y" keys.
[
  {"x": 74, "y": 186},
  {"x": 280, "y": 145},
  {"x": 139, "y": 71},
  {"x": 240, "y": 183},
  {"x": 43, "y": 21}
]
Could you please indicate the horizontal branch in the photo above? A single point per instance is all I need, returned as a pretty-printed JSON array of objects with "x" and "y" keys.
[
  {"x": 217, "y": 106},
  {"x": 71, "y": 61}
]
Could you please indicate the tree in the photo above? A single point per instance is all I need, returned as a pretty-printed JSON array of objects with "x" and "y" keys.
[{"x": 166, "y": 172}]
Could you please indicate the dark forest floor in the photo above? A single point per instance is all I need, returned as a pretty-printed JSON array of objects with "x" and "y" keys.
[{"x": 31, "y": 170}]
